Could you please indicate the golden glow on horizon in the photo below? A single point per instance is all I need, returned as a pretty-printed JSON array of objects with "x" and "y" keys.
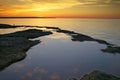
[{"x": 60, "y": 8}]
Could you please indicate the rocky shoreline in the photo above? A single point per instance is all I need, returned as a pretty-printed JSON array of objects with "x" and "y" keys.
[
  {"x": 97, "y": 75},
  {"x": 13, "y": 47}
]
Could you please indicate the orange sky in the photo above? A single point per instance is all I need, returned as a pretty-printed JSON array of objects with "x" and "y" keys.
[{"x": 60, "y": 8}]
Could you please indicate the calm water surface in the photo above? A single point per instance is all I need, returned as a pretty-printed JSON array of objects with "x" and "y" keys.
[{"x": 59, "y": 58}]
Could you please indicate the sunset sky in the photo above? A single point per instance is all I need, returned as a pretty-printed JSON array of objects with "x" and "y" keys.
[{"x": 60, "y": 8}]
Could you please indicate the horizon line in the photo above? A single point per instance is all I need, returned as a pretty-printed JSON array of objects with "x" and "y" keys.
[{"x": 3, "y": 17}]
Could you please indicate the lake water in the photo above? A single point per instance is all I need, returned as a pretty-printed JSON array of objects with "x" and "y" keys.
[{"x": 57, "y": 57}]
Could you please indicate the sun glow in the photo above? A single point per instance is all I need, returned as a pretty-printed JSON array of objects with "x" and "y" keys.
[{"x": 63, "y": 8}]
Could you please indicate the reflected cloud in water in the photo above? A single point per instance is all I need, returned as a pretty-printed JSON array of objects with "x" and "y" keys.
[
  {"x": 18, "y": 67},
  {"x": 37, "y": 73},
  {"x": 29, "y": 74},
  {"x": 54, "y": 77},
  {"x": 42, "y": 70}
]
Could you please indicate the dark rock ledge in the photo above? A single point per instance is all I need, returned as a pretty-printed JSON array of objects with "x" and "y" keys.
[
  {"x": 111, "y": 48},
  {"x": 14, "y": 45},
  {"x": 97, "y": 75}
]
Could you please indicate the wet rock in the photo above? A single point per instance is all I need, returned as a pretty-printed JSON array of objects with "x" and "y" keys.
[
  {"x": 98, "y": 75},
  {"x": 81, "y": 37},
  {"x": 4, "y": 26},
  {"x": 112, "y": 49},
  {"x": 29, "y": 34},
  {"x": 13, "y": 46}
]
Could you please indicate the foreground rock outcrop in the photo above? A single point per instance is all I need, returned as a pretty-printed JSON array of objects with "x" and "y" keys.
[
  {"x": 14, "y": 45},
  {"x": 98, "y": 75}
]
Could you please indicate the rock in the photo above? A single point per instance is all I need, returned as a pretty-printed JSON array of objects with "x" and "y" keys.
[
  {"x": 112, "y": 49},
  {"x": 98, "y": 75},
  {"x": 81, "y": 37},
  {"x": 29, "y": 34},
  {"x": 13, "y": 46},
  {"x": 5, "y": 26}
]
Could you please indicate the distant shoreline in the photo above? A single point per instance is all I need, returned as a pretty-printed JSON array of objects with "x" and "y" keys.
[
  {"x": 59, "y": 17},
  {"x": 23, "y": 17}
]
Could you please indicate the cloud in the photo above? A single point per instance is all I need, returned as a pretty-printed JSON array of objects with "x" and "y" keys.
[
  {"x": 100, "y": 2},
  {"x": 47, "y": 1},
  {"x": 46, "y": 7},
  {"x": 50, "y": 1},
  {"x": 25, "y": 0},
  {"x": 56, "y": 1},
  {"x": 37, "y": 5},
  {"x": 115, "y": 2}
]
